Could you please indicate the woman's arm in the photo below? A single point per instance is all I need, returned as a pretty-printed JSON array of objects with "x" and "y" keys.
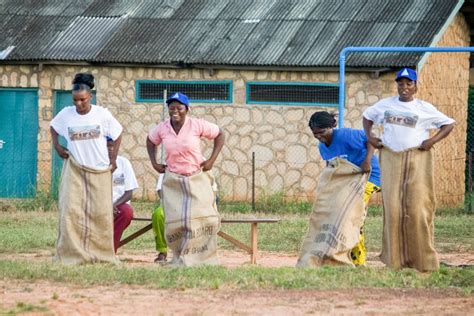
[
  {"x": 366, "y": 164},
  {"x": 218, "y": 144},
  {"x": 127, "y": 196},
  {"x": 113, "y": 154},
  {"x": 151, "y": 149},
  {"x": 442, "y": 133},
  {"x": 62, "y": 152},
  {"x": 374, "y": 141}
]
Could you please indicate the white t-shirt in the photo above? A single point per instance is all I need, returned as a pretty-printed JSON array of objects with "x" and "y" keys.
[
  {"x": 123, "y": 178},
  {"x": 85, "y": 134},
  {"x": 406, "y": 124}
]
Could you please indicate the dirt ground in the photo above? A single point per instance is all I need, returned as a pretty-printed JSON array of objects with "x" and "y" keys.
[{"x": 48, "y": 298}]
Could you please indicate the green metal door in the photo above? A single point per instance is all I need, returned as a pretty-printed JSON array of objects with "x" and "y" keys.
[
  {"x": 62, "y": 98},
  {"x": 18, "y": 142}
]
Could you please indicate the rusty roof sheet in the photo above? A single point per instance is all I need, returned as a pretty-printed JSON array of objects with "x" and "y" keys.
[{"x": 278, "y": 33}]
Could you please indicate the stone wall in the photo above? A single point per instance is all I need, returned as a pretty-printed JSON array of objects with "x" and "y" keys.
[{"x": 287, "y": 160}]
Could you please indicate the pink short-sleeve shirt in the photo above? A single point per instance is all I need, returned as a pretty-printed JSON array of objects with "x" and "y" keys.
[{"x": 183, "y": 151}]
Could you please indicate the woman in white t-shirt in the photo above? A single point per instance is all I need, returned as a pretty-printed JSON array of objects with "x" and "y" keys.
[
  {"x": 85, "y": 203},
  {"x": 85, "y": 127},
  {"x": 406, "y": 161}
]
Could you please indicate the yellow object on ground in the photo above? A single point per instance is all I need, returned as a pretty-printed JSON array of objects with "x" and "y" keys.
[{"x": 359, "y": 252}]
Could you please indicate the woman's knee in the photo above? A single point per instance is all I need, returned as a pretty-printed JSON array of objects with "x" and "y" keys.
[{"x": 126, "y": 212}]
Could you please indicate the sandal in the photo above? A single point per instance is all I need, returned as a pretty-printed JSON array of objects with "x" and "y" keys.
[{"x": 161, "y": 258}]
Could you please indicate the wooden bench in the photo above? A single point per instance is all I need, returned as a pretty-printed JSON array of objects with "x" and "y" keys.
[{"x": 252, "y": 249}]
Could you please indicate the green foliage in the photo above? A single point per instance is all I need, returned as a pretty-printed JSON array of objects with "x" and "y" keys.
[
  {"x": 470, "y": 144},
  {"x": 42, "y": 202},
  {"x": 235, "y": 207},
  {"x": 470, "y": 121},
  {"x": 276, "y": 203},
  {"x": 469, "y": 202}
]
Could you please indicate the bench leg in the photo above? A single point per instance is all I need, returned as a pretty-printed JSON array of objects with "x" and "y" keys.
[
  {"x": 234, "y": 241},
  {"x": 135, "y": 235},
  {"x": 253, "y": 242}
]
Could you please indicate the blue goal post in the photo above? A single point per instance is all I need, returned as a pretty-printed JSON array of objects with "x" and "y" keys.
[{"x": 348, "y": 50}]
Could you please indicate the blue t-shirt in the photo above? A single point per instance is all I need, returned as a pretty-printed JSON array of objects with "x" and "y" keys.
[{"x": 351, "y": 143}]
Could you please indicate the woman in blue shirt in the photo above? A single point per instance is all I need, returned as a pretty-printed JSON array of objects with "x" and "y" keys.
[{"x": 352, "y": 145}]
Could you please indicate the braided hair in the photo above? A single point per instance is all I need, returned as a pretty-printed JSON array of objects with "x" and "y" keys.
[
  {"x": 322, "y": 119},
  {"x": 83, "y": 81}
]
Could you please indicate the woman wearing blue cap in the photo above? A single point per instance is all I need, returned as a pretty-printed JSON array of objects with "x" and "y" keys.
[
  {"x": 189, "y": 201},
  {"x": 406, "y": 160}
]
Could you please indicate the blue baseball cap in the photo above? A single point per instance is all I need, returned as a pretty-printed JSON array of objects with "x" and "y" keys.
[
  {"x": 408, "y": 73},
  {"x": 179, "y": 97},
  {"x": 108, "y": 138}
]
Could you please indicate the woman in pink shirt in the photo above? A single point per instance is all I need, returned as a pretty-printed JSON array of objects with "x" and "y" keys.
[
  {"x": 181, "y": 135},
  {"x": 188, "y": 196}
]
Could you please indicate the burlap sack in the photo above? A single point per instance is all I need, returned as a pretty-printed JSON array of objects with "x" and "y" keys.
[
  {"x": 85, "y": 230},
  {"x": 337, "y": 216},
  {"x": 191, "y": 218},
  {"x": 409, "y": 207}
]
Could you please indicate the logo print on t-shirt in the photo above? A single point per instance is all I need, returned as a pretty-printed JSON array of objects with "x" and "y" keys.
[
  {"x": 406, "y": 119},
  {"x": 119, "y": 180},
  {"x": 84, "y": 132}
]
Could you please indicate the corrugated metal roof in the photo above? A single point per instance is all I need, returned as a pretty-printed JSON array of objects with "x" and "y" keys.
[
  {"x": 84, "y": 38},
  {"x": 299, "y": 33},
  {"x": 43, "y": 7}
]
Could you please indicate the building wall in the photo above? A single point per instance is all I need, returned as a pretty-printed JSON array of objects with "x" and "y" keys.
[
  {"x": 287, "y": 160},
  {"x": 444, "y": 82}
]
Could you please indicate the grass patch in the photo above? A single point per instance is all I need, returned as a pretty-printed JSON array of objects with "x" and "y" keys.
[
  {"x": 22, "y": 307},
  {"x": 275, "y": 203},
  {"x": 30, "y": 232},
  {"x": 244, "y": 278},
  {"x": 42, "y": 202},
  {"x": 26, "y": 232}
]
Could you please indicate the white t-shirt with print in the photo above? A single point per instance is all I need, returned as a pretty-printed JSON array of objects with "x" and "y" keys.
[
  {"x": 406, "y": 124},
  {"x": 85, "y": 134},
  {"x": 123, "y": 178}
]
